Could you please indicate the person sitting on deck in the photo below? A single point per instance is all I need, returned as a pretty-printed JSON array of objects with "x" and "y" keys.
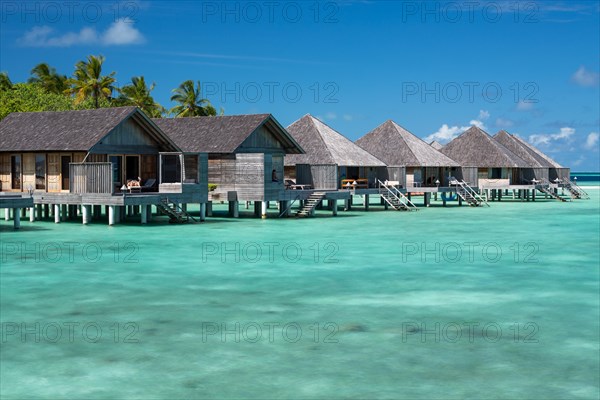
[{"x": 274, "y": 176}]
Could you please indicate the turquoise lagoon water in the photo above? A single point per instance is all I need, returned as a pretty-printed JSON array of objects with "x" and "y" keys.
[{"x": 393, "y": 305}]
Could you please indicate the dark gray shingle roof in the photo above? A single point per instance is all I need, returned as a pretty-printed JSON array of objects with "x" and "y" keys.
[
  {"x": 222, "y": 134},
  {"x": 77, "y": 130},
  {"x": 324, "y": 145},
  {"x": 542, "y": 157},
  {"x": 508, "y": 141},
  {"x": 475, "y": 148},
  {"x": 394, "y": 145}
]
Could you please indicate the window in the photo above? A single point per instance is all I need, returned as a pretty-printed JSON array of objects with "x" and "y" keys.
[
  {"x": 191, "y": 168},
  {"x": 116, "y": 169},
  {"x": 15, "y": 171},
  {"x": 171, "y": 169},
  {"x": 40, "y": 171}
]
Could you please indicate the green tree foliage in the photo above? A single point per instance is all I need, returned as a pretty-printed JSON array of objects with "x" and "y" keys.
[
  {"x": 191, "y": 103},
  {"x": 47, "y": 77},
  {"x": 88, "y": 81},
  {"x": 138, "y": 94},
  {"x": 5, "y": 82},
  {"x": 26, "y": 97}
]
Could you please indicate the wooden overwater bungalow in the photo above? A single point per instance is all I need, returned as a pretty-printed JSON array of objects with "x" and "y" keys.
[
  {"x": 412, "y": 164},
  {"x": 245, "y": 156},
  {"x": 489, "y": 165},
  {"x": 332, "y": 164},
  {"x": 555, "y": 170},
  {"x": 545, "y": 172},
  {"x": 75, "y": 162}
]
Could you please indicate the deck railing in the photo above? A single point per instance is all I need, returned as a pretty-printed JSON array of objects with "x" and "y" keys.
[{"x": 91, "y": 177}]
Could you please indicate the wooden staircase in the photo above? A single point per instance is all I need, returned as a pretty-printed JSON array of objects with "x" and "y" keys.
[
  {"x": 576, "y": 191},
  {"x": 311, "y": 203},
  {"x": 395, "y": 198},
  {"x": 468, "y": 194},
  {"x": 174, "y": 212},
  {"x": 544, "y": 187}
]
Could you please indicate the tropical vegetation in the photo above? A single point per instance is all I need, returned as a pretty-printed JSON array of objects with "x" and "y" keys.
[{"x": 91, "y": 86}]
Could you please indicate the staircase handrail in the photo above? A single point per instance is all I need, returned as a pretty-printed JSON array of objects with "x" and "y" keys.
[
  {"x": 398, "y": 195},
  {"x": 473, "y": 193}
]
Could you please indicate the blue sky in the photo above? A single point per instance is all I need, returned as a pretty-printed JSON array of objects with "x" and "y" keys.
[{"x": 435, "y": 68}]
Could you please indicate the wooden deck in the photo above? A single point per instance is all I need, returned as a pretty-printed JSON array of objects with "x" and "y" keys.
[{"x": 15, "y": 201}]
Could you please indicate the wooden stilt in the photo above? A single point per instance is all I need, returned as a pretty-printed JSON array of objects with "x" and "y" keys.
[
  {"x": 112, "y": 213},
  {"x": 85, "y": 212},
  {"x": 202, "y": 211},
  {"x": 144, "y": 214},
  {"x": 17, "y": 220}
]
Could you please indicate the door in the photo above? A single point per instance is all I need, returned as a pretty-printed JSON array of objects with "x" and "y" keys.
[
  {"x": 65, "y": 172},
  {"x": 15, "y": 172},
  {"x": 132, "y": 168}
]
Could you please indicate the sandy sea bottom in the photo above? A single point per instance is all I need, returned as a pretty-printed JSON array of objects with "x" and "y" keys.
[{"x": 443, "y": 303}]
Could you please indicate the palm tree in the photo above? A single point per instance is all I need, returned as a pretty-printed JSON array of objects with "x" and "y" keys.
[
  {"x": 190, "y": 102},
  {"x": 5, "y": 83},
  {"x": 138, "y": 94},
  {"x": 88, "y": 81},
  {"x": 48, "y": 78}
]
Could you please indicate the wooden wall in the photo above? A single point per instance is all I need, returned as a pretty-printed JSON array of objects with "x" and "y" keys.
[
  {"x": 560, "y": 173},
  {"x": 91, "y": 178},
  {"x": 261, "y": 141},
  {"x": 469, "y": 174},
  {"x": 394, "y": 174},
  {"x": 127, "y": 138},
  {"x": 53, "y": 170},
  {"x": 244, "y": 173},
  {"x": 5, "y": 180},
  {"x": 321, "y": 176}
]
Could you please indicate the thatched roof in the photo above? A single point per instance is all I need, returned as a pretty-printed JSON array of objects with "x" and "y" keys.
[
  {"x": 396, "y": 146},
  {"x": 323, "y": 145},
  {"x": 223, "y": 134},
  {"x": 436, "y": 145},
  {"x": 541, "y": 157},
  {"x": 508, "y": 141},
  {"x": 77, "y": 130},
  {"x": 475, "y": 148}
]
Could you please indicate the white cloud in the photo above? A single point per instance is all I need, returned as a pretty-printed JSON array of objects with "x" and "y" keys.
[
  {"x": 591, "y": 142},
  {"x": 504, "y": 123},
  {"x": 446, "y": 133},
  {"x": 120, "y": 32},
  {"x": 348, "y": 117},
  {"x": 524, "y": 106},
  {"x": 331, "y": 116},
  {"x": 586, "y": 78},
  {"x": 545, "y": 139}
]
